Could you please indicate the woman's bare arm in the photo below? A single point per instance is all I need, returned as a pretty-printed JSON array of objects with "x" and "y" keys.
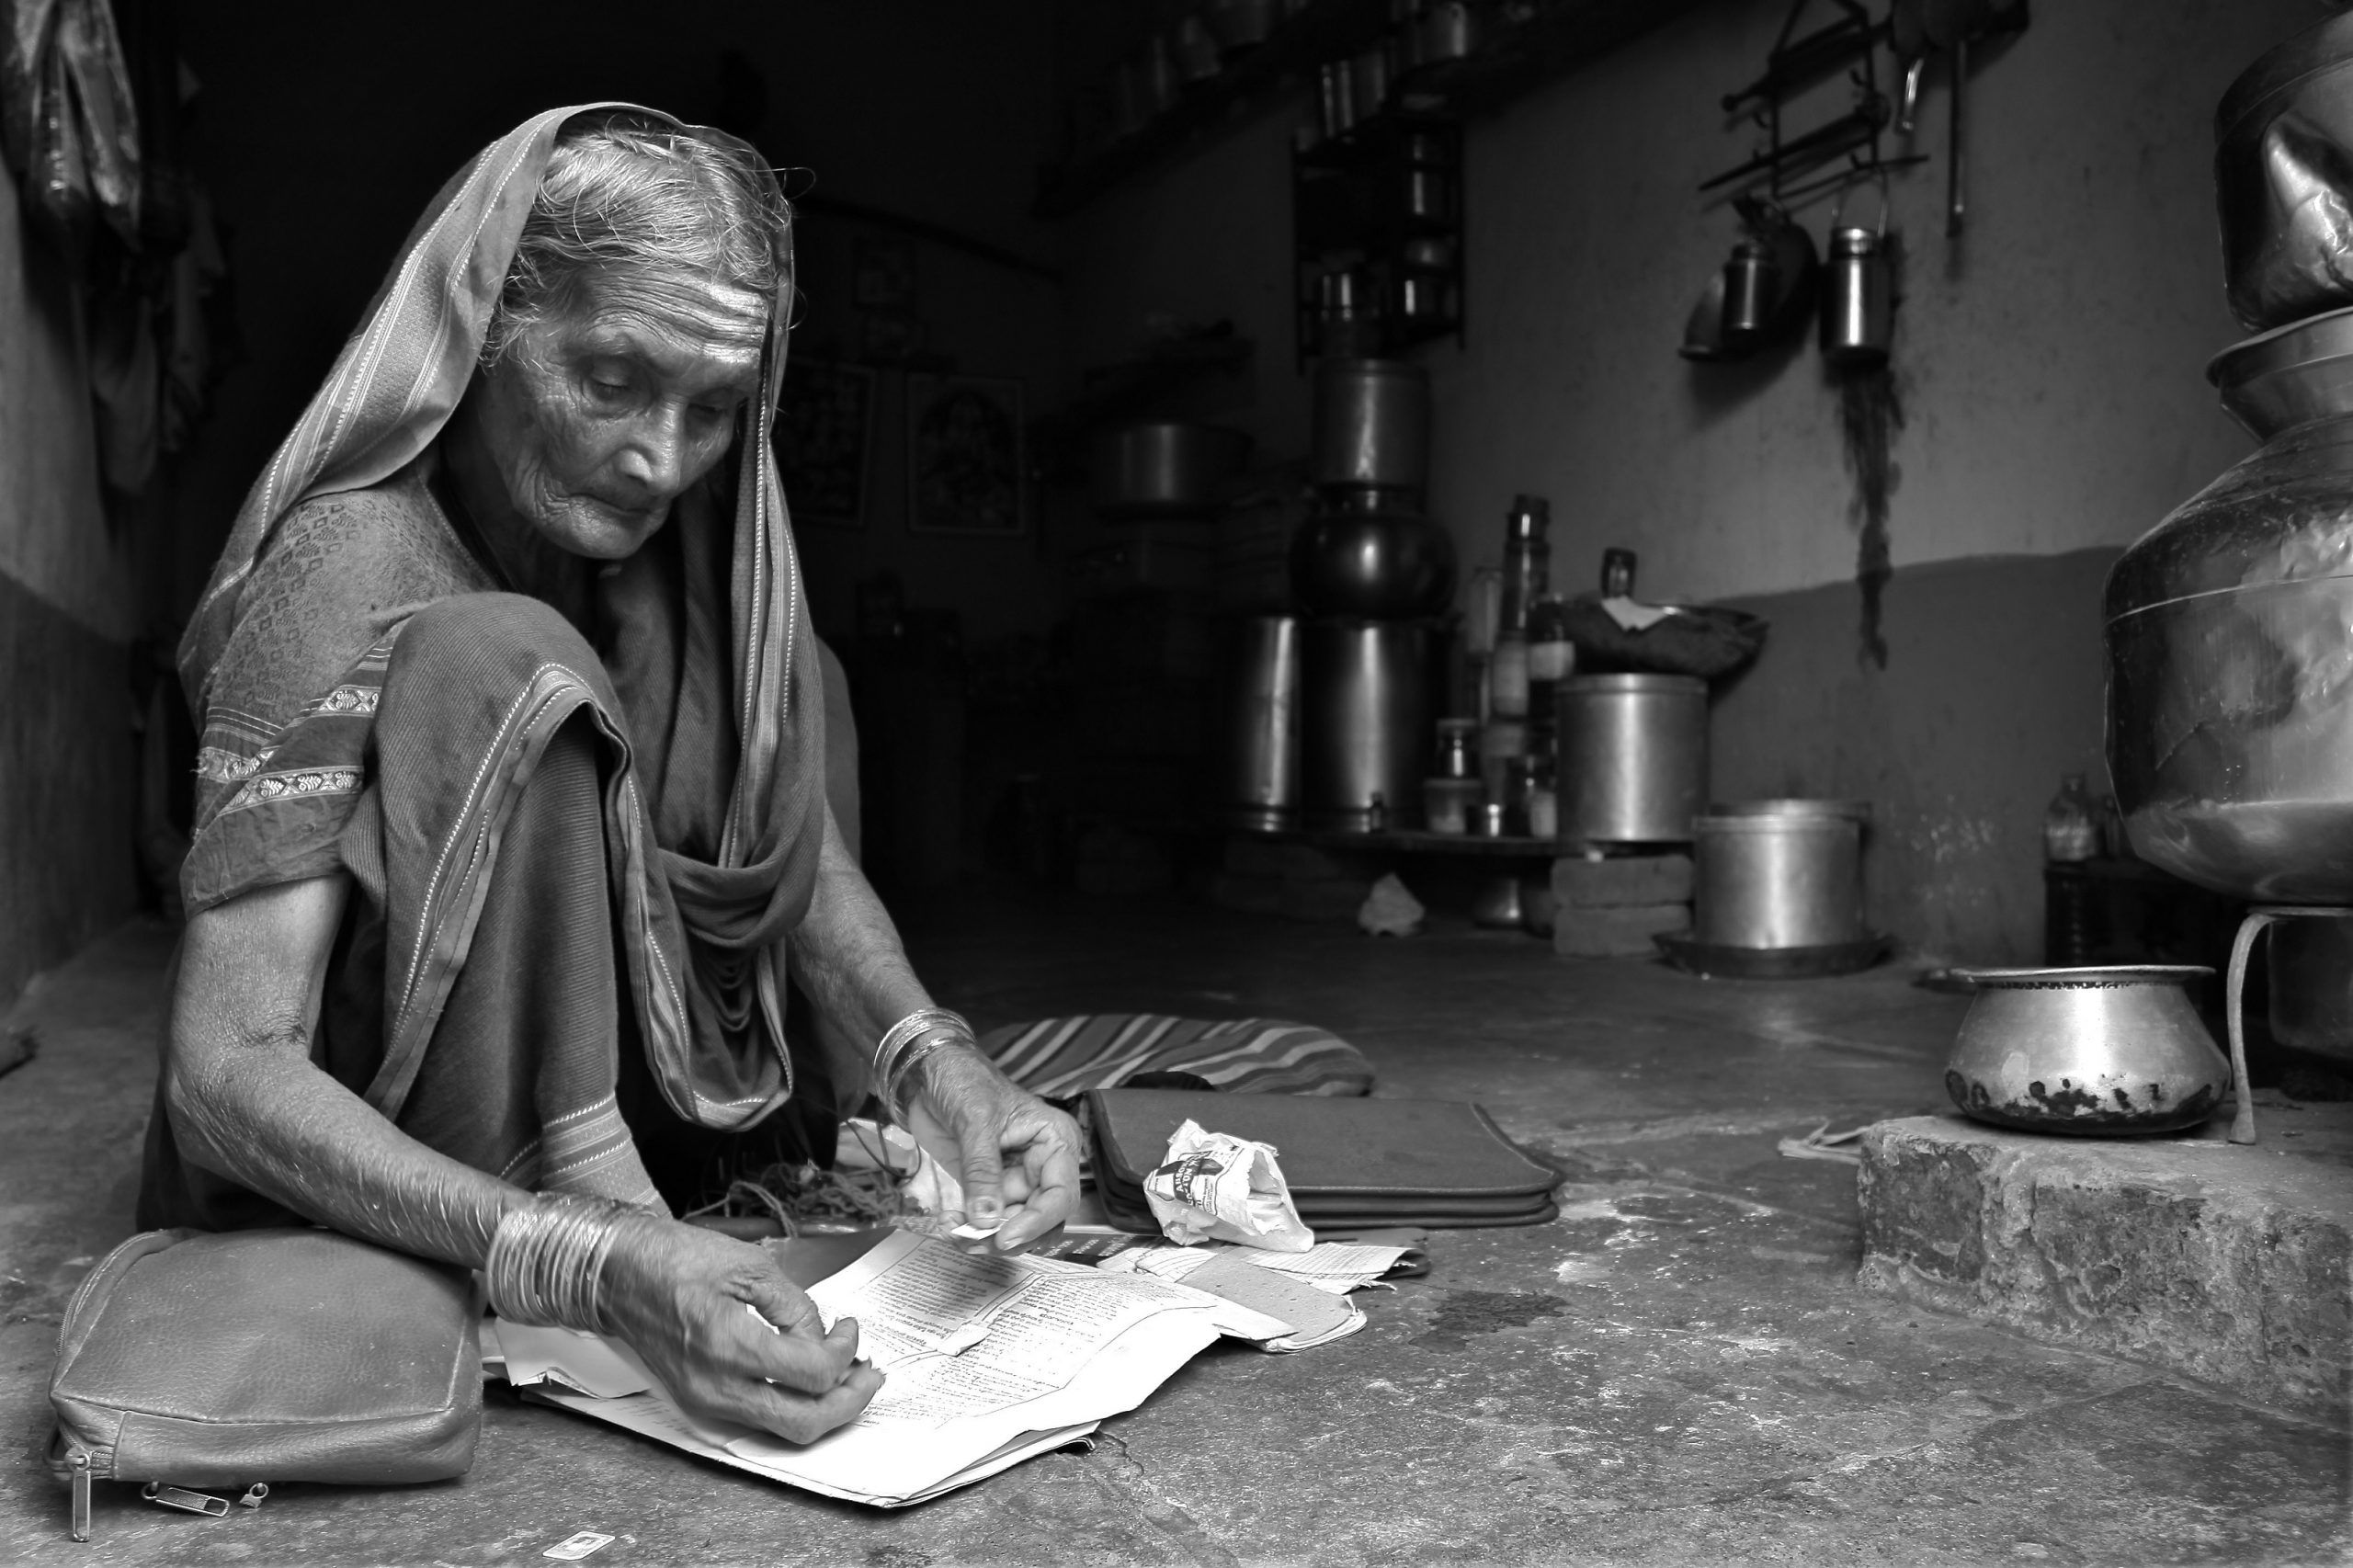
[
  {"x": 1017, "y": 1157},
  {"x": 247, "y": 1101}
]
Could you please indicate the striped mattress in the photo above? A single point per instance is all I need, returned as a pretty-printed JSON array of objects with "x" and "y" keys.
[{"x": 1057, "y": 1058}]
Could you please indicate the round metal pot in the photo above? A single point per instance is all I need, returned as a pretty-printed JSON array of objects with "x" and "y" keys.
[
  {"x": 1376, "y": 566},
  {"x": 1163, "y": 467},
  {"x": 2229, "y": 699},
  {"x": 1371, "y": 424},
  {"x": 1779, "y": 874},
  {"x": 2087, "y": 1051},
  {"x": 1262, "y": 724},
  {"x": 1364, "y": 724},
  {"x": 2281, "y": 136},
  {"x": 1633, "y": 756}
]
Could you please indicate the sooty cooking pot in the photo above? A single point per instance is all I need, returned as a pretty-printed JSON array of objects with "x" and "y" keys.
[{"x": 2096, "y": 1051}]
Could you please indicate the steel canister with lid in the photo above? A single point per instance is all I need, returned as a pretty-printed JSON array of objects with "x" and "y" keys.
[
  {"x": 1775, "y": 874},
  {"x": 1632, "y": 756}
]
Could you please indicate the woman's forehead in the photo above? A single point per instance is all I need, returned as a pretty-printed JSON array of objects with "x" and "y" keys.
[{"x": 675, "y": 315}]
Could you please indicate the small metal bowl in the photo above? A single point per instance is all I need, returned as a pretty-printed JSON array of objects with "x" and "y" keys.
[{"x": 2109, "y": 1050}]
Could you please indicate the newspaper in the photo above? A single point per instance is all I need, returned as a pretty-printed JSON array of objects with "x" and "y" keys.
[{"x": 988, "y": 1360}]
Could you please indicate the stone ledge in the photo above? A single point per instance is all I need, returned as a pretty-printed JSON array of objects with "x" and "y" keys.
[{"x": 2230, "y": 1264}]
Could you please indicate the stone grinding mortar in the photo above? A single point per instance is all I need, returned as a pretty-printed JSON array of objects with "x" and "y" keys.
[{"x": 2117, "y": 1049}]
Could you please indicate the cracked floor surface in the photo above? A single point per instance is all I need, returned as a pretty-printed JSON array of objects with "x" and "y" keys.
[{"x": 1677, "y": 1369}]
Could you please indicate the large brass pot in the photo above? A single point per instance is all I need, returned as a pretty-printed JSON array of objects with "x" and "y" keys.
[{"x": 2229, "y": 642}]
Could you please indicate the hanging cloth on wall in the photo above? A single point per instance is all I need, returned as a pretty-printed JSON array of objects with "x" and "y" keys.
[{"x": 68, "y": 120}]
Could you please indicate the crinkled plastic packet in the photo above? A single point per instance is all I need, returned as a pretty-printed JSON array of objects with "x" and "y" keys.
[{"x": 1216, "y": 1187}]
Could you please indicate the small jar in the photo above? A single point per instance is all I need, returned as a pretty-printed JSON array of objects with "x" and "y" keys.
[
  {"x": 1450, "y": 804},
  {"x": 1543, "y": 813},
  {"x": 1490, "y": 819},
  {"x": 1458, "y": 741}
]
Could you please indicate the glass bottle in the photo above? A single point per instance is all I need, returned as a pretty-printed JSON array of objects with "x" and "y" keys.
[
  {"x": 1527, "y": 559},
  {"x": 1552, "y": 657},
  {"x": 1507, "y": 677},
  {"x": 2070, "y": 825},
  {"x": 1618, "y": 573}
]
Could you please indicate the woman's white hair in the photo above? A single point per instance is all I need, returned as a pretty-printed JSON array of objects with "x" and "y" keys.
[{"x": 630, "y": 194}]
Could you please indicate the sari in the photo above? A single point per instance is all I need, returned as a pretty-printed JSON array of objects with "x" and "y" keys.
[{"x": 370, "y": 702}]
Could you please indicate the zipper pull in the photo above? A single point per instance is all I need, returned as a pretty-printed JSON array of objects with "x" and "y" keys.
[
  {"x": 80, "y": 1463},
  {"x": 183, "y": 1499}
]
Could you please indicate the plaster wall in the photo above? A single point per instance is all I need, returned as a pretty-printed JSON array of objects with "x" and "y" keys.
[
  {"x": 68, "y": 608},
  {"x": 2047, "y": 363}
]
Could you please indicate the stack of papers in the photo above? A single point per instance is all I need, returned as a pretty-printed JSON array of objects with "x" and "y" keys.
[{"x": 988, "y": 1360}]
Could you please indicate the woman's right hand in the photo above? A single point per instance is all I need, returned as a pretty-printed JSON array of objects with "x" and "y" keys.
[{"x": 675, "y": 1294}]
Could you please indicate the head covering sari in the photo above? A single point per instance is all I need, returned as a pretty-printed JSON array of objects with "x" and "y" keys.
[{"x": 747, "y": 682}]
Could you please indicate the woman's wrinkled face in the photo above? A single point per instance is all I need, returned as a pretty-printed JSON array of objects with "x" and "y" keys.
[{"x": 598, "y": 420}]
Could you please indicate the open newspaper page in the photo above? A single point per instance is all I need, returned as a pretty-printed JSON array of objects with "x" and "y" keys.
[{"x": 987, "y": 1358}]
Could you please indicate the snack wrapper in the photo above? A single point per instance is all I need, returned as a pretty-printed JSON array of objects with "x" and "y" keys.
[{"x": 1216, "y": 1187}]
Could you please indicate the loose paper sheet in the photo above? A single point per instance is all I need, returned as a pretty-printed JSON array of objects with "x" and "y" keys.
[{"x": 988, "y": 1360}]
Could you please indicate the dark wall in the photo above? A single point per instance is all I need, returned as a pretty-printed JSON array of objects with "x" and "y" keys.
[
  {"x": 324, "y": 129},
  {"x": 1992, "y": 690}
]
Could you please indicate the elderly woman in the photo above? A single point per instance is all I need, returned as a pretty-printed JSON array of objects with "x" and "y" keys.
[{"x": 512, "y": 822}]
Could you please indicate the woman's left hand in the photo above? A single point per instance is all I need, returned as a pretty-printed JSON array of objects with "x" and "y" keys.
[{"x": 1016, "y": 1156}]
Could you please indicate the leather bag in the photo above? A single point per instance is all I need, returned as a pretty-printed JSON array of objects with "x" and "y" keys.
[{"x": 200, "y": 1359}]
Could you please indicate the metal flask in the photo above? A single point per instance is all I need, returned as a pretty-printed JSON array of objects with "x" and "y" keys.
[
  {"x": 2229, "y": 692},
  {"x": 1752, "y": 286},
  {"x": 1364, "y": 724},
  {"x": 1262, "y": 719},
  {"x": 1858, "y": 295}
]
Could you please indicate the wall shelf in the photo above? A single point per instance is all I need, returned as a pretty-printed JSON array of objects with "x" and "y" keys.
[{"x": 1556, "y": 37}]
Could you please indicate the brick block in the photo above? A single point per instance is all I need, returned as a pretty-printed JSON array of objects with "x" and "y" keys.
[
  {"x": 1623, "y": 932},
  {"x": 2223, "y": 1263},
  {"x": 1623, "y": 881}
]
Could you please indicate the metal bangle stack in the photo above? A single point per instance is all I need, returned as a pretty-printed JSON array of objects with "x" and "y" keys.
[{"x": 909, "y": 1041}]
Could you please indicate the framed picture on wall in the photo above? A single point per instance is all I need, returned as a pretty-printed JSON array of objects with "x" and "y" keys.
[
  {"x": 964, "y": 457},
  {"x": 824, "y": 425}
]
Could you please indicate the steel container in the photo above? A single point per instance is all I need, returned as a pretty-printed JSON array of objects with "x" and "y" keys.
[
  {"x": 1364, "y": 724},
  {"x": 2230, "y": 684},
  {"x": 1371, "y": 424},
  {"x": 2283, "y": 179},
  {"x": 1166, "y": 467},
  {"x": 1380, "y": 565},
  {"x": 1633, "y": 756},
  {"x": 1262, "y": 724},
  {"x": 2097, "y": 1050},
  {"x": 1774, "y": 874}
]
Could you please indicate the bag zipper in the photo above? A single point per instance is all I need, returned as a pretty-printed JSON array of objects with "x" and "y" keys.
[{"x": 80, "y": 1460}]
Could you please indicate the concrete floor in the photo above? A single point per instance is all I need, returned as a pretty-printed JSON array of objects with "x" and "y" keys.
[{"x": 1677, "y": 1370}]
